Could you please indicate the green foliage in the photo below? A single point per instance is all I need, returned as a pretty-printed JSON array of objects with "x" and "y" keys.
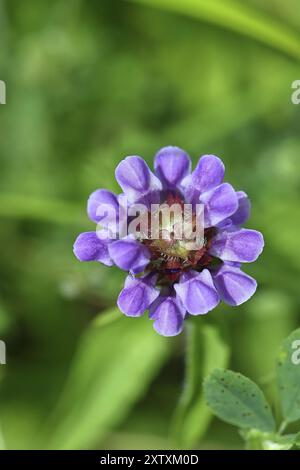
[
  {"x": 254, "y": 329},
  {"x": 87, "y": 84},
  {"x": 239, "y": 401},
  {"x": 288, "y": 373},
  {"x": 205, "y": 350},
  {"x": 112, "y": 369},
  {"x": 239, "y": 17},
  {"x": 257, "y": 440}
]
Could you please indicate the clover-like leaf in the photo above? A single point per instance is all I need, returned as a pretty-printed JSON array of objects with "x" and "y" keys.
[{"x": 237, "y": 400}]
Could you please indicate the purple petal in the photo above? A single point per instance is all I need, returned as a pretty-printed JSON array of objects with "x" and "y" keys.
[
  {"x": 242, "y": 245},
  {"x": 103, "y": 204},
  {"x": 208, "y": 174},
  {"x": 168, "y": 314},
  {"x": 136, "y": 179},
  {"x": 235, "y": 264},
  {"x": 219, "y": 203},
  {"x": 234, "y": 286},
  {"x": 225, "y": 224},
  {"x": 88, "y": 247},
  {"x": 137, "y": 295},
  {"x": 171, "y": 165},
  {"x": 243, "y": 211},
  {"x": 129, "y": 254},
  {"x": 197, "y": 292}
]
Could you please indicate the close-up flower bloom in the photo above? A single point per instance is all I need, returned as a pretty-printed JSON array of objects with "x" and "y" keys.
[{"x": 166, "y": 275}]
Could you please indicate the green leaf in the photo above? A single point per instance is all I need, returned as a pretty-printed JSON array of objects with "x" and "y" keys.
[
  {"x": 238, "y": 17},
  {"x": 288, "y": 375},
  {"x": 205, "y": 351},
  {"x": 237, "y": 400},
  {"x": 297, "y": 440},
  {"x": 117, "y": 359},
  {"x": 257, "y": 440},
  {"x": 274, "y": 442}
]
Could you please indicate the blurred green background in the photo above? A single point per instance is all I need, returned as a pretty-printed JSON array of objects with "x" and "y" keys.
[{"x": 89, "y": 82}]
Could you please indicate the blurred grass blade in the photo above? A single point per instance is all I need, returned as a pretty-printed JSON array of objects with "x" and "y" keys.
[
  {"x": 238, "y": 17},
  {"x": 238, "y": 401},
  {"x": 206, "y": 350},
  {"x": 116, "y": 360},
  {"x": 288, "y": 373},
  {"x": 2, "y": 443},
  {"x": 54, "y": 211}
]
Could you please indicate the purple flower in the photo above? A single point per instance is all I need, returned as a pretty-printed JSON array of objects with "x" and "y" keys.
[{"x": 166, "y": 274}]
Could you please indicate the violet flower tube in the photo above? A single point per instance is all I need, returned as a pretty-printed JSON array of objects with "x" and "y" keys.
[{"x": 166, "y": 276}]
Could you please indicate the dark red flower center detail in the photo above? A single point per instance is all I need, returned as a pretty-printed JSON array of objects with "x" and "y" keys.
[{"x": 170, "y": 257}]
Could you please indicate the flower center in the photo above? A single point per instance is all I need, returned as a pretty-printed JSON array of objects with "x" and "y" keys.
[{"x": 172, "y": 252}]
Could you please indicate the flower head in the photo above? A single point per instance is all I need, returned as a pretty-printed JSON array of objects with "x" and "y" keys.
[{"x": 178, "y": 235}]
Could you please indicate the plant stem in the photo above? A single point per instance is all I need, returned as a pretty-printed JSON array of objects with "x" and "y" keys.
[{"x": 282, "y": 427}]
